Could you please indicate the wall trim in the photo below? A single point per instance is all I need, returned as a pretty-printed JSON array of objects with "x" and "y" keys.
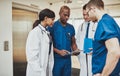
[{"x": 25, "y": 7}]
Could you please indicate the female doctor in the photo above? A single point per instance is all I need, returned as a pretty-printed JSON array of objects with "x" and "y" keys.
[{"x": 38, "y": 50}]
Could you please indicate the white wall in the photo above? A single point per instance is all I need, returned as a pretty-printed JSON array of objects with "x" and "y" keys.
[{"x": 6, "y": 58}]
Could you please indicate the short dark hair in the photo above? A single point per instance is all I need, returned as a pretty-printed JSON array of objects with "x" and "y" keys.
[{"x": 97, "y": 3}]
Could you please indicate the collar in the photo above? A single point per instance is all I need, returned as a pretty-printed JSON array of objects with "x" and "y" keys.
[{"x": 42, "y": 28}]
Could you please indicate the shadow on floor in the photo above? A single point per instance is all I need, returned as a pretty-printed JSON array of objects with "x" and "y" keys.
[
  {"x": 75, "y": 72},
  {"x": 20, "y": 70}
]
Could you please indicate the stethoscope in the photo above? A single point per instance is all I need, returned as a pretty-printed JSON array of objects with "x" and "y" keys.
[
  {"x": 41, "y": 29},
  {"x": 50, "y": 38},
  {"x": 81, "y": 27},
  {"x": 93, "y": 28}
]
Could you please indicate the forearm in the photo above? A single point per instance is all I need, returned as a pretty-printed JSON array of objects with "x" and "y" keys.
[
  {"x": 74, "y": 45},
  {"x": 111, "y": 63},
  {"x": 56, "y": 50},
  {"x": 113, "y": 56},
  {"x": 60, "y": 52}
]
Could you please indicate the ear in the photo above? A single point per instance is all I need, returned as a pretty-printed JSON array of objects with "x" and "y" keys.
[
  {"x": 59, "y": 14},
  {"x": 45, "y": 18}
]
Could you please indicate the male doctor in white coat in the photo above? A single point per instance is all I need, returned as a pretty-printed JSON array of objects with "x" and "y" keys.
[
  {"x": 38, "y": 50},
  {"x": 85, "y": 58}
]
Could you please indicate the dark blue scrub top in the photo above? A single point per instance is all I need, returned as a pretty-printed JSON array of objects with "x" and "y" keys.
[
  {"x": 107, "y": 28},
  {"x": 62, "y": 36}
]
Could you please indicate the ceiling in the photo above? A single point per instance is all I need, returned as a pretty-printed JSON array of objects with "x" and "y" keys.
[
  {"x": 80, "y": 3},
  {"x": 71, "y": 3},
  {"x": 111, "y": 6}
]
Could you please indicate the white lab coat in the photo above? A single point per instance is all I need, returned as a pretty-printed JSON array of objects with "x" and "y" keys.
[
  {"x": 80, "y": 42},
  {"x": 37, "y": 53}
]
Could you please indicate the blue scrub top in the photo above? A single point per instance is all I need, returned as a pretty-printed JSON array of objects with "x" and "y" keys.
[
  {"x": 62, "y": 36},
  {"x": 107, "y": 28}
]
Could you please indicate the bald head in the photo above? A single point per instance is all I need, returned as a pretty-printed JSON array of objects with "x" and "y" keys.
[{"x": 64, "y": 8}]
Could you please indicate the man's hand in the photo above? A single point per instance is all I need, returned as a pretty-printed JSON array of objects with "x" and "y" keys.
[
  {"x": 63, "y": 52},
  {"x": 76, "y": 52}
]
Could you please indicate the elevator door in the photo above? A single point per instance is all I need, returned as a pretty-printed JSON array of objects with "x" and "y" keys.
[{"x": 22, "y": 23}]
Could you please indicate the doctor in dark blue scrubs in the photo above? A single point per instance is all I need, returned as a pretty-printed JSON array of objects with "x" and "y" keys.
[
  {"x": 106, "y": 43},
  {"x": 64, "y": 41}
]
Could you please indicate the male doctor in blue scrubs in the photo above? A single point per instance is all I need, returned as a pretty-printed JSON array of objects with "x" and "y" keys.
[
  {"x": 106, "y": 43},
  {"x": 64, "y": 41}
]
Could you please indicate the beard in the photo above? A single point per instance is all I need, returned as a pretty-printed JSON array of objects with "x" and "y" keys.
[{"x": 63, "y": 21}]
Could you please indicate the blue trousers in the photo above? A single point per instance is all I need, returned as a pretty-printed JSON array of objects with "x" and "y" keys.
[{"x": 62, "y": 67}]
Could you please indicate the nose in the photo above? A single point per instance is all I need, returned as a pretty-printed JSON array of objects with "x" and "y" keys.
[
  {"x": 67, "y": 17},
  {"x": 52, "y": 22},
  {"x": 85, "y": 16}
]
